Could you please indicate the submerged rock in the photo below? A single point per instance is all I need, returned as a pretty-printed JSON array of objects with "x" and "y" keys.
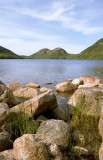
[
  {"x": 32, "y": 85},
  {"x": 54, "y": 131},
  {"x": 44, "y": 89},
  {"x": 48, "y": 83}
]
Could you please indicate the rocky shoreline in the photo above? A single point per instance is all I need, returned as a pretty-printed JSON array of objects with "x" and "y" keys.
[{"x": 37, "y": 128}]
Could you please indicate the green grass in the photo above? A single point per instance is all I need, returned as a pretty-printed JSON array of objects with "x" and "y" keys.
[
  {"x": 87, "y": 124},
  {"x": 21, "y": 125}
]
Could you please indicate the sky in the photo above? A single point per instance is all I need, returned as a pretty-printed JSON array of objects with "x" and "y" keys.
[{"x": 27, "y": 26}]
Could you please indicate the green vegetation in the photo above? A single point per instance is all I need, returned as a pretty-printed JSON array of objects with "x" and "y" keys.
[
  {"x": 19, "y": 125},
  {"x": 87, "y": 124},
  {"x": 7, "y": 54},
  {"x": 94, "y": 52},
  {"x": 57, "y": 53}
]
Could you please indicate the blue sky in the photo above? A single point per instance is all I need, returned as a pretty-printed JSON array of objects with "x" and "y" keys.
[{"x": 27, "y": 26}]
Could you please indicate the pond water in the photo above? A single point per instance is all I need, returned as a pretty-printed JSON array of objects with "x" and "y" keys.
[{"x": 41, "y": 71}]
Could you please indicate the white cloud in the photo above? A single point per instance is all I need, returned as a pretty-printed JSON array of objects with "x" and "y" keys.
[
  {"x": 24, "y": 38},
  {"x": 24, "y": 47},
  {"x": 67, "y": 15}
]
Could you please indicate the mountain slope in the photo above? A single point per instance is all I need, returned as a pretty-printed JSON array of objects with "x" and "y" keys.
[
  {"x": 93, "y": 52},
  {"x": 57, "y": 53},
  {"x": 7, "y": 54}
]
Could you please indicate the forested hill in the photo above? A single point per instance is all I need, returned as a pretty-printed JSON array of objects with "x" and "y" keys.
[
  {"x": 7, "y": 54},
  {"x": 57, "y": 53},
  {"x": 94, "y": 52}
]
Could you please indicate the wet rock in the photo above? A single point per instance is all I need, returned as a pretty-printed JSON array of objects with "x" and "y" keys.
[
  {"x": 44, "y": 89},
  {"x": 65, "y": 87},
  {"x": 33, "y": 85},
  {"x": 48, "y": 83}
]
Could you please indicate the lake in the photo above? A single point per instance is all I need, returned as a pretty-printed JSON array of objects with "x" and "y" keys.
[{"x": 41, "y": 71}]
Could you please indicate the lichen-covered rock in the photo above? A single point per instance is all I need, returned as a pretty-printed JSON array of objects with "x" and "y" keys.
[
  {"x": 6, "y": 95},
  {"x": 54, "y": 131},
  {"x": 14, "y": 86},
  {"x": 89, "y": 100},
  {"x": 37, "y": 105},
  {"x": 25, "y": 93},
  {"x": 7, "y": 155},
  {"x": 4, "y": 109},
  {"x": 59, "y": 113},
  {"x": 4, "y": 140},
  {"x": 29, "y": 148},
  {"x": 65, "y": 87},
  {"x": 32, "y": 85}
]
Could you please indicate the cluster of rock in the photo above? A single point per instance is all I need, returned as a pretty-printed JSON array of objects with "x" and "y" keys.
[
  {"x": 101, "y": 133},
  {"x": 53, "y": 136}
]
